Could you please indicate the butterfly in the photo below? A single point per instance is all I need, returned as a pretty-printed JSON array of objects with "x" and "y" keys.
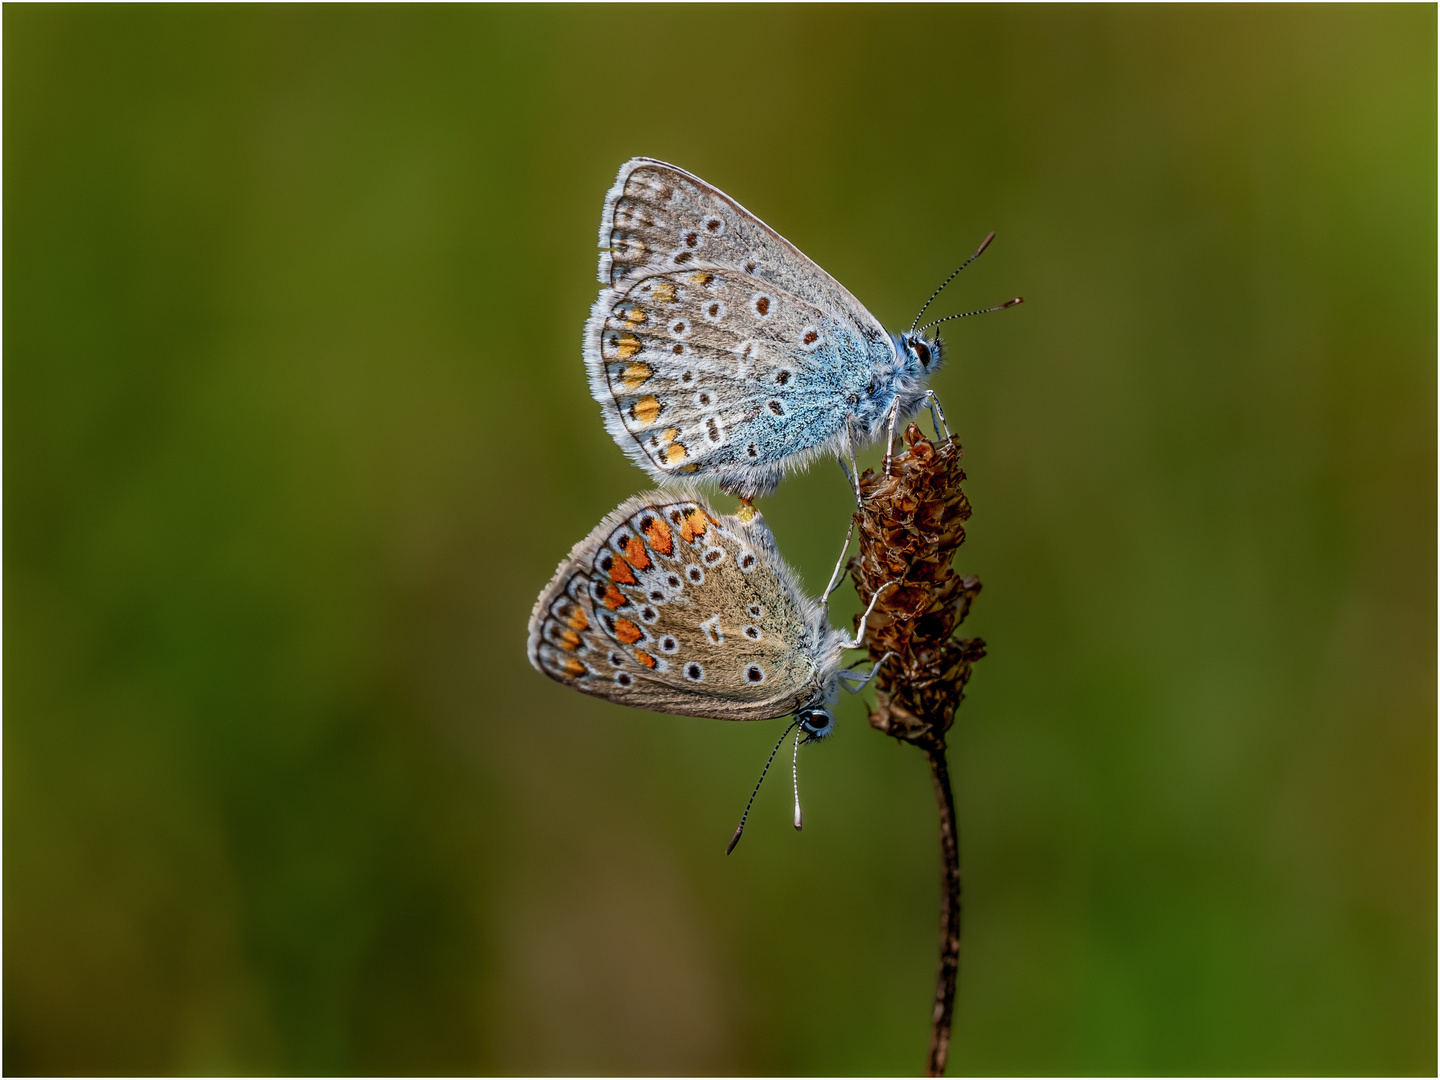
[
  {"x": 717, "y": 350},
  {"x": 667, "y": 606}
]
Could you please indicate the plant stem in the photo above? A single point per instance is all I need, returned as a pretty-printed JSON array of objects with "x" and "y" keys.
[
  {"x": 949, "y": 915},
  {"x": 911, "y": 525}
]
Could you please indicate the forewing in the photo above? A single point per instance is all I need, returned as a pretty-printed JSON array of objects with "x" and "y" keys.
[
  {"x": 660, "y": 219},
  {"x": 665, "y": 606}
]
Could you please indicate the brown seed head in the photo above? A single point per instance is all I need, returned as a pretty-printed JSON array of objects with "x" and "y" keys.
[{"x": 911, "y": 524}]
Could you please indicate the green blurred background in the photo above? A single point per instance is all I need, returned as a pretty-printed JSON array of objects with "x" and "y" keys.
[{"x": 296, "y": 429}]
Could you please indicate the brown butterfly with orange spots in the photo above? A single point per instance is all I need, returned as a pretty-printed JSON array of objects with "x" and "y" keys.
[{"x": 666, "y": 606}]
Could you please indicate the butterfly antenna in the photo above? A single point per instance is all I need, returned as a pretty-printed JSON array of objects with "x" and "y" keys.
[
  {"x": 981, "y": 311},
  {"x": 983, "y": 245},
  {"x": 741, "y": 827},
  {"x": 795, "y": 779}
]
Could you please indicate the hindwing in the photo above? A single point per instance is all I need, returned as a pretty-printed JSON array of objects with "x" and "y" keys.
[{"x": 665, "y": 606}]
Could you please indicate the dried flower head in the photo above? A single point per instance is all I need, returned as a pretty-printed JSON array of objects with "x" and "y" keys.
[{"x": 911, "y": 523}]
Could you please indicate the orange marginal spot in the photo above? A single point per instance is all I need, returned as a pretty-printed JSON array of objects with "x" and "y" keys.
[
  {"x": 627, "y": 632},
  {"x": 646, "y": 410},
  {"x": 645, "y": 658},
  {"x": 636, "y": 317},
  {"x": 665, "y": 292},
  {"x": 574, "y": 668},
  {"x": 635, "y": 553},
  {"x": 613, "y": 598},
  {"x": 668, "y": 435},
  {"x": 569, "y": 640},
  {"x": 702, "y": 278},
  {"x": 675, "y": 451},
  {"x": 693, "y": 525},
  {"x": 577, "y": 619},
  {"x": 695, "y": 519},
  {"x": 636, "y": 374},
  {"x": 620, "y": 571},
  {"x": 658, "y": 533},
  {"x": 628, "y": 346}
]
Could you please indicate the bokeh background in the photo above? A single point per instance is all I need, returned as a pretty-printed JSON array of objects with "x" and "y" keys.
[{"x": 296, "y": 429}]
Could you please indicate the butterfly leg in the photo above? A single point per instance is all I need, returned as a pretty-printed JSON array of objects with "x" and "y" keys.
[
  {"x": 839, "y": 566},
  {"x": 853, "y": 472},
  {"x": 934, "y": 402},
  {"x": 859, "y": 681},
  {"x": 860, "y": 632},
  {"x": 850, "y": 476},
  {"x": 890, "y": 437}
]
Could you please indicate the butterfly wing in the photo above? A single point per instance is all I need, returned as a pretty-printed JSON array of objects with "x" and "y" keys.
[
  {"x": 665, "y": 606},
  {"x": 718, "y": 349},
  {"x": 659, "y": 218}
]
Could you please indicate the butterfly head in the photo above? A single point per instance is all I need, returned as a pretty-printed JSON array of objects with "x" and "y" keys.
[
  {"x": 922, "y": 355},
  {"x": 816, "y": 722}
]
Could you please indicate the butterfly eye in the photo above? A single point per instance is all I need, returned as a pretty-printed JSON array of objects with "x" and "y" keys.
[
  {"x": 923, "y": 352},
  {"x": 815, "y": 721}
]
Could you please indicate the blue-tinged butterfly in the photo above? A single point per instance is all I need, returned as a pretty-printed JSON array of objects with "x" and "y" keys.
[{"x": 718, "y": 351}]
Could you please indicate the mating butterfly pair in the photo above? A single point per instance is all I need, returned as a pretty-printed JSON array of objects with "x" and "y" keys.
[{"x": 718, "y": 352}]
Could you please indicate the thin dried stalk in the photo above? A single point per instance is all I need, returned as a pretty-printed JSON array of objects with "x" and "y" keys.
[{"x": 911, "y": 523}]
